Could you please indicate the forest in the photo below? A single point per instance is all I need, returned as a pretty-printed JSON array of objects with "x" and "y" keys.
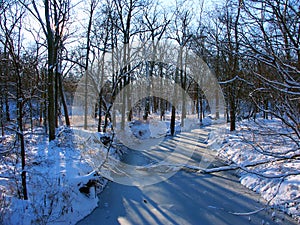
[{"x": 97, "y": 65}]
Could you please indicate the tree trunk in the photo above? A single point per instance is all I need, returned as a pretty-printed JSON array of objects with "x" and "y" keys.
[
  {"x": 63, "y": 100},
  {"x": 201, "y": 108},
  {"x": 266, "y": 107},
  {"x": 183, "y": 112},
  {"x": 128, "y": 84},
  {"x": 123, "y": 109},
  {"x": 173, "y": 113},
  {"x": 51, "y": 61},
  {"x": 162, "y": 109},
  {"x": 1, "y": 117},
  {"x": 147, "y": 103},
  {"x": 31, "y": 115},
  {"x": 217, "y": 105},
  {"x": 56, "y": 94},
  {"x": 23, "y": 156},
  {"x": 51, "y": 105},
  {"x": 232, "y": 108},
  {"x": 88, "y": 48},
  {"x": 7, "y": 113},
  {"x": 184, "y": 87},
  {"x": 129, "y": 116},
  {"x": 21, "y": 134},
  {"x": 172, "y": 124},
  {"x": 100, "y": 111},
  {"x": 22, "y": 144}
]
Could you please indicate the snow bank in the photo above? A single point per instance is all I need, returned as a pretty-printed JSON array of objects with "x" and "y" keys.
[
  {"x": 151, "y": 129},
  {"x": 58, "y": 173},
  {"x": 259, "y": 141}
]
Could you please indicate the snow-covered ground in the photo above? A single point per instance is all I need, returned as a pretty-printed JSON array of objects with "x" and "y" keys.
[
  {"x": 262, "y": 142},
  {"x": 58, "y": 174},
  {"x": 62, "y": 181},
  {"x": 256, "y": 142}
]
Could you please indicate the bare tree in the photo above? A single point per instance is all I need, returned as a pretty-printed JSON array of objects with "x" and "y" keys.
[
  {"x": 225, "y": 50},
  {"x": 274, "y": 42},
  {"x": 156, "y": 22},
  {"x": 91, "y": 11},
  {"x": 128, "y": 14},
  {"x": 54, "y": 25},
  {"x": 11, "y": 26},
  {"x": 182, "y": 35}
]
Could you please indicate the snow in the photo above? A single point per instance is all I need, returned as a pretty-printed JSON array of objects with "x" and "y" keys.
[
  {"x": 254, "y": 142},
  {"x": 259, "y": 141},
  {"x": 154, "y": 128},
  {"x": 55, "y": 172}
]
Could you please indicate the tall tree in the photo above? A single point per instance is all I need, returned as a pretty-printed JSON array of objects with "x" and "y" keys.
[
  {"x": 156, "y": 22},
  {"x": 230, "y": 47},
  {"x": 11, "y": 26},
  {"x": 182, "y": 35},
  {"x": 54, "y": 25},
  {"x": 91, "y": 11},
  {"x": 128, "y": 13},
  {"x": 274, "y": 41}
]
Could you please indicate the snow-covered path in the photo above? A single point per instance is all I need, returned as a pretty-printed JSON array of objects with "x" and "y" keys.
[{"x": 185, "y": 198}]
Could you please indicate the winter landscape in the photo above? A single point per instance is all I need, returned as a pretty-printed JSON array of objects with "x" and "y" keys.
[{"x": 149, "y": 112}]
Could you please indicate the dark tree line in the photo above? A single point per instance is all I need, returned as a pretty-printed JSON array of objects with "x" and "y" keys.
[{"x": 251, "y": 46}]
